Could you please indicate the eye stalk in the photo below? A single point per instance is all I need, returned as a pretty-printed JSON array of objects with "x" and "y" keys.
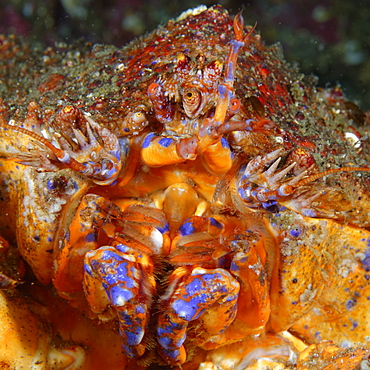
[{"x": 192, "y": 99}]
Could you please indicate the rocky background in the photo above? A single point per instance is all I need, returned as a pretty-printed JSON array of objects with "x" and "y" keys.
[{"x": 327, "y": 38}]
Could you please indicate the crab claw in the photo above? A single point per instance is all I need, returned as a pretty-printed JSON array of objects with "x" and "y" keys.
[
  {"x": 119, "y": 282},
  {"x": 99, "y": 153},
  {"x": 205, "y": 293}
]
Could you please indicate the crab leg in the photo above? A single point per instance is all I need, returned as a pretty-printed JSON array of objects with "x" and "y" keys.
[{"x": 190, "y": 296}]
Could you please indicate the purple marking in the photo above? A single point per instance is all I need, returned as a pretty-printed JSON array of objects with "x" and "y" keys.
[
  {"x": 90, "y": 238},
  {"x": 187, "y": 228},
  {"x": 351, "y": 303},
  {"x": 134, "y": 335},
  {"x": 215, "y": 223},
  {"x": 171, "y": 353},
  {"x": 225, "y": 143},
  {"x": 188, "y": 310},
  {"x": 51, "y": 185},
  {"x": 88, "y": 269},
  {"x": 117, "y": 295},
  {"x": 309, "y": 213},
  {"x": 165, "y": 142},
  {"x": 164, "y": 229},
  {"x": 148, "y": 140},
  {"x": 122, "y": 248},
  {"x": 295, "y": 233},
  {"x": 241, "y": 193},
  {"x": 139, "y": 309}
]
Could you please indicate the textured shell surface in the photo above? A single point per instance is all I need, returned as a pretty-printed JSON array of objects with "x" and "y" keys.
[{"x": 178, "y": 201}]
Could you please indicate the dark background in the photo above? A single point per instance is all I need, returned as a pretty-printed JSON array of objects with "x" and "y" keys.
[{"x": 328, "y": 38}]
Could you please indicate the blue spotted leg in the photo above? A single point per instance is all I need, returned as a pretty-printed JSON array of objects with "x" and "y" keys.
[
  {"x": 209, "y": 295},
  {"x": 119, "y": 283}
]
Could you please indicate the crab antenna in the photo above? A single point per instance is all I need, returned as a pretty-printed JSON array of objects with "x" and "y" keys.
[{"x": 330, "y": 172}]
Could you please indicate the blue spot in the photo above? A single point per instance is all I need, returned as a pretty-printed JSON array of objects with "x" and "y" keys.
[
  {"x": 294, "y": 302},
  {"x": 164, "y": 229},
  {"x": 125, "y": 318},
  {"x": 36, "y": 238},
  {"x": 126, "y": 349},
  {"x": 241, "y": 193},
  {"x": 194, "y": 286},
  {"x": 134, "y": 338},
  {"x": 88, "y": 270},
  {"x": 117, "y": 295},
  {"x": 224, "y": 143},
  {"x": 211, "y": 277},
  {"x": 139, "y": 309},
  {"x": 165, "y": 342},
  {"x": 309, "y": 213},
  {"x": 171, "y": 353},
  {"x": 122, "y": 248},
  {"x": 366, "y": 261},
  {"x": 295, "y": 233},
  {"x": 222, "y": 90},
  {"x": 187, "y": 229},
  {"x": 165, "y": 142},
  {"x": 126, "y": 129},
  {"x": 351, "y": 303},
  {"x": 189, "y": 310},
  {"x": 147, "y": 140},
  {"x": 50, "y": 239},
  {"x": 215, "y": 223},
  {"x": 109, "y": 255},
  {"x": 234, "y": 267},
  {"x": 90, "y": 237},
  {"x": 51, "y": 185}
]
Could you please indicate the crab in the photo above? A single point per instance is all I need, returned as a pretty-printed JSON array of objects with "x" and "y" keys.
[{"x": 180, "y": 210}]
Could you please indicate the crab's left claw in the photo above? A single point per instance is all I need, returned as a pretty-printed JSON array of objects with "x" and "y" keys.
[
  {"x": 97, "y": 153},
  {"x": 119, "y": 283}
]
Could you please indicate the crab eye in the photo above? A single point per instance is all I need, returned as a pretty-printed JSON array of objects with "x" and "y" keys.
[
  {"x": 191, "y": 101},
  {"x": 234, "y": 105}
]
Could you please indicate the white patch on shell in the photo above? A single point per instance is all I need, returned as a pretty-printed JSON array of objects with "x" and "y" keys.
[
  {"x": 308, "y": 295},
  {"x": 353, "y": 140},
  {"x": 195, "y": 11},
  {"x": 346, "y": 267}
]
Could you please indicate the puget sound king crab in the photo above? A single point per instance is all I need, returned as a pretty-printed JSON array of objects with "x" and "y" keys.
[{"x": 189, "y": 201}]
